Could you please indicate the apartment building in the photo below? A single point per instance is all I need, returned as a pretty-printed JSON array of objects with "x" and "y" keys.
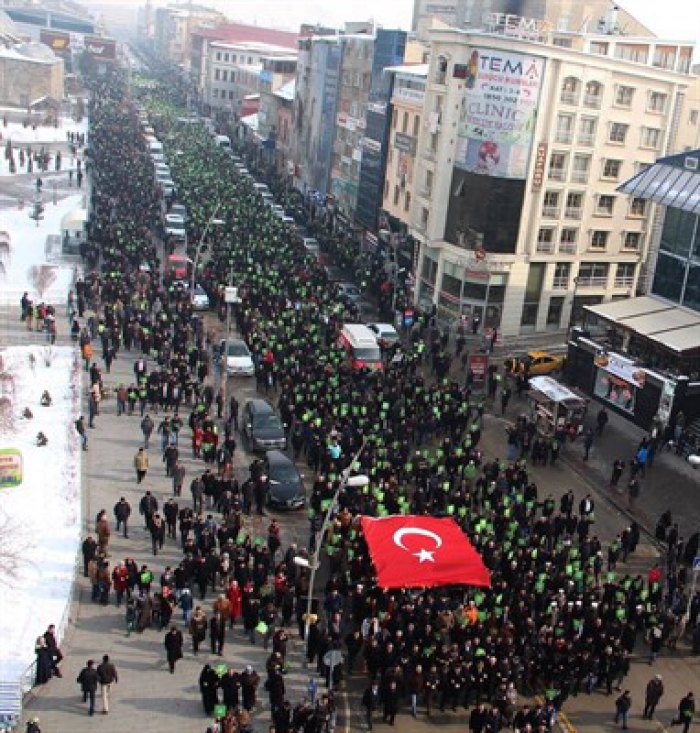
[
  {"x": 234, "y": 72},
  {"x": 408, "y": 95},
  {"x": 522, "y": 147}
]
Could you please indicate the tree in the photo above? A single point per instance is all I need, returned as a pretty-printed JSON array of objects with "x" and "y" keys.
[
  {"x": 14, "y": 546},
  {"x": 42, "y": 277}
]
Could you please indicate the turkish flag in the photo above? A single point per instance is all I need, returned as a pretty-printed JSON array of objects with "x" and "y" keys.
[{"x": 413, "y": 551}]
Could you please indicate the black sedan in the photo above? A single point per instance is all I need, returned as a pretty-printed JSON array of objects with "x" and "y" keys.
[{"x": 286, "y": 485}]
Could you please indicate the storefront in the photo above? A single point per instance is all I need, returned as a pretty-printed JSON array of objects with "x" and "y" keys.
[{"x": 617, "y": 381}]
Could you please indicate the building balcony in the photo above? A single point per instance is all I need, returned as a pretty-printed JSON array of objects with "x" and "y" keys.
[
  {"x": 425, "y": 193},
  {"x": 430, "y": 154},
  {"x": 593, "y": 101},
  {"x": 556, "y": 174},
  {"x": 550, "y": 212},
  {"x": 545, "y": 248},
  {"x": 564, "y": 136},
  {"x": 569, "y": 97},
  {"x": 579, "y": 177},
  {"x": 560, "y": 283},
  {"x": 585, "y": 139},
  {"x": 568, "y": 248},
  {"x": 592, "y": 282},
  {"x": 624, "y": 282},
  {"x": 573, "y": 212}
]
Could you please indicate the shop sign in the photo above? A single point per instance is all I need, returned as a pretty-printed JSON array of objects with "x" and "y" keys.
[
  {"x": 479, "y": 363},
  {"x": 540, "y": 163},
  {"x": 622, "y": 368},
  {"x": 405, "y": 143},
  {"x": 11, "y": 468}
]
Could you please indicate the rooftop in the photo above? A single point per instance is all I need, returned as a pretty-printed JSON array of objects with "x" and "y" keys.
[
  {"x": 239, "y": 32},
  {"x": 672, "y": 181}
]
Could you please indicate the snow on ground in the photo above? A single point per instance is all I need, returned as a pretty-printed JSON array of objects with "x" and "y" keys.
[
  {"x": 18, "y": 133},
  {"x": 45, "y": 510},
  {"x": 28, "y": 247}
]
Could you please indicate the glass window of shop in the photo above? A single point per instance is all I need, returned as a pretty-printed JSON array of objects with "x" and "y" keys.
[
  {"x": 678, "y": 230},
  {"x": 668, "y": 277},
  {"x": 691, "y": 297},
  {"x": 484, "y": 210},
  {"x": 533, "y": 290}
]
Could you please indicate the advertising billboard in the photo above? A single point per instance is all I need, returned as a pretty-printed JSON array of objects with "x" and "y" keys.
[
  {"x": 57, "y": 41},
  {"x": 101, "y": 48},
  {"x": 499, "y": 113}
]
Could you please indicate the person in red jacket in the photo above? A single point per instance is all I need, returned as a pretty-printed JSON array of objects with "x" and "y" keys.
[
  {"x": 120, "y": 581},
  {"x": 235, "y": 598}
]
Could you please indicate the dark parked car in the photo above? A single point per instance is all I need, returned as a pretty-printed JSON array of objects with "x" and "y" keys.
[
  {"x": 286, "y": 485},
  {"x": 262, "y": 428}
]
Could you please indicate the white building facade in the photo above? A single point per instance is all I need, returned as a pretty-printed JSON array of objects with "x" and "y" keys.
[{"x": 522, "y": 146}]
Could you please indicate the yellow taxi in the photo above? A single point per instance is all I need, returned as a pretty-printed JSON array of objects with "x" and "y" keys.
[{"x": 536, "y": 363}]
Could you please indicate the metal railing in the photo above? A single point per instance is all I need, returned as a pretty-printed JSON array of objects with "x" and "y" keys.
[
  {"x": 568, "y": 248},
  {"x": 564, "y": 136},
  {"x": 592, "y": 282},
  {"x": 580, "y": 176},
  {"x": 585, "y": 138},
  {"x": 573, "y": 212},
  {"x": 545, "y": 247},
  {"x": 550, "y": 212},
  {"x": 625, "y": 281},
  {"x": 593, "y": 101},
  {"x": 568, "y": 97},
  {"x": 560, "y": 283},
  {"x": 556, "y": 174}
]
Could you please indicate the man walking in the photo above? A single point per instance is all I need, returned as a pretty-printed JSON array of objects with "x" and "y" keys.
[
  {"x": 88, "y": 679},
  {"x": 82, "y": 432},
  {"x": 107, "y": 676},
  {"x": 654, "y": 693},
  {"x": 173, "y": 647},
  {"x": 622, "y": 708},
  {"x": 122, "y": 512},
  {"x": 371, "y": 700},
  {"x": 686, "y": 711},
  {"x": 141, "y": 464},
  {"x": 147, "y": 428},
  {"x": 148, "y": 506}
]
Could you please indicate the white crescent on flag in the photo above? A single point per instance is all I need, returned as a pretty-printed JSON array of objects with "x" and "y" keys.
[{"x": 423, "y": 555}]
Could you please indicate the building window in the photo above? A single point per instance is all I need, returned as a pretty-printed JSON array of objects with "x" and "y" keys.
[
  {"x": 424, "y": 215},
  {"x": 407, "y": 202},
  {"x": 216, "y": 93},
  {"x": 404, "y": 126},
  {"x": 394, "y": 118},
  {"x": 217, "y": 74},
  {"x": 565, "y": 129},
  {"x": 550, "y": 207},
  {"x": 664, "y": 57},
  {"x": 605, "y": 205},
  {"x": 632, "y": 241},
  {"x": 562, "y": 274},
  {"x": 651, "y": 137},
  {"x": 545, "y": 240},
  {"x": 618, "y": 132},
  {"x": 628, "y": 52},
  {"x": 230, "y": 94},
  {"x": 574, "y": 205},
  {"x": 624, "y": 275},
  {"x": 624, "y": 96},
  {"x": 638, "y": 207},
  {"x": 556, "y": 306},
  {"x": 226, "y": 58},
  {"x": 416, "y": 126},
  {"x": 656, "y": 102},
  {"x": 593, "y": 274},
  {"x": 693, "y": 119},
  {"x": 582, "y": 165},
  {"x": 611, "y": 168},
  {"x": 599, "y": 48},
  {"x": 386, "y": 189},
  {"x": 441, "y": 70},
  {"x": 568, "y": 240},
  {"x": 557, "y": 166},
  {"x": 594, "y": 95},
  {"x": 224, "y": 75},
  {"x": 397, "y": 193},
  {"x": 599, "y": 239},
  {"x": 570, "y": 90},
  {"x": 586, "y": 130},
  {"x": 218, "y": 56}
]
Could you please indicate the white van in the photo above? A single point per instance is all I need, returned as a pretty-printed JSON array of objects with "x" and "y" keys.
[
  {"x": 155, "y": 146},
  {"x": 261, "y": 188},
  {"x": 223, "y": 141},
  {"x": 361, "y": 346}
]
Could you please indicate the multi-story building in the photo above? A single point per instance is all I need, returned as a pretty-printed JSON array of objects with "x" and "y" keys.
[
  {"x": 315, "y": 104},
  {"x": 389, "y": 49},
  {"x": 173, "y": 27},
  {"x": 235, "y": 71},
  {"x": 29, "y": 74},
  {"x": 232, "y": 33},
  {"x": 407, "y": 99},
  {"x": 522, "y": 148},
  {"x": 517, "y": 15},
  {"x": 276, "y": 73}
]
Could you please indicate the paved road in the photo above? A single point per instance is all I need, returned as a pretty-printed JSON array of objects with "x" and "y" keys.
[{"x": 146, "y": 695}]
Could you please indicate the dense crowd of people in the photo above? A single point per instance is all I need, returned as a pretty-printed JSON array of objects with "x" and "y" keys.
[{"x": 560, "y": 616}]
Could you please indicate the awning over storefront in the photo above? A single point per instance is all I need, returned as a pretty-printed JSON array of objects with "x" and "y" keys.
[
  {"x": 672, "y": 326},
  {"x": 672, "y": 181}
]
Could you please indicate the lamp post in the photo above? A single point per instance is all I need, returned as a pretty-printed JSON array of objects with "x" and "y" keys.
[
  {"x": 358, "y": 481},
  {"x": 195, "y": 262}
]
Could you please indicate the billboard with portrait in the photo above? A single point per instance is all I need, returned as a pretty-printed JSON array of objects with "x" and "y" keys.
[{"x": 499, "y": 112}]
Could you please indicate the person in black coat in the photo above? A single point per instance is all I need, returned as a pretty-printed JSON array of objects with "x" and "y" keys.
[
  {"x": 173, "y": 647},
  {"x": 230, "y": 686},
  {"x": 391, "y": 702},
  {"x": 89, "y": 548},
  {"x": 209, "y": 688},
  {"x": 371, "y": 700},
  {"x": 44, "y": 662},
  {"x": 217, "y": 633},
  {"x": 275, "y": 688}
]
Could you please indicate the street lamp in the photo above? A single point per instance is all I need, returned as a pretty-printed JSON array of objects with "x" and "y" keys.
[
  {"x": 212, "y": 220},
  {"x": 348, "y": 481}
]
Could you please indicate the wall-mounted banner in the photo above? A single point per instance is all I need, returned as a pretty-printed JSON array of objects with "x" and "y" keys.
[{"x": 11, "y": 468}]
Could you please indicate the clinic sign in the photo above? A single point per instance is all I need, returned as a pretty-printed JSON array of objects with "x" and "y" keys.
[
  {"x": 11, "y": 468},
  {"x": 499, "y": 115}
]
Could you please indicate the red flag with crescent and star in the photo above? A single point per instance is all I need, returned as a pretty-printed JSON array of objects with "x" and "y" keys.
[{"x": 413, "y": 551}]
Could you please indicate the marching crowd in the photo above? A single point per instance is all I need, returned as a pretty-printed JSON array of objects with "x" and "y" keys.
[{"x": 560, "y": 616}]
